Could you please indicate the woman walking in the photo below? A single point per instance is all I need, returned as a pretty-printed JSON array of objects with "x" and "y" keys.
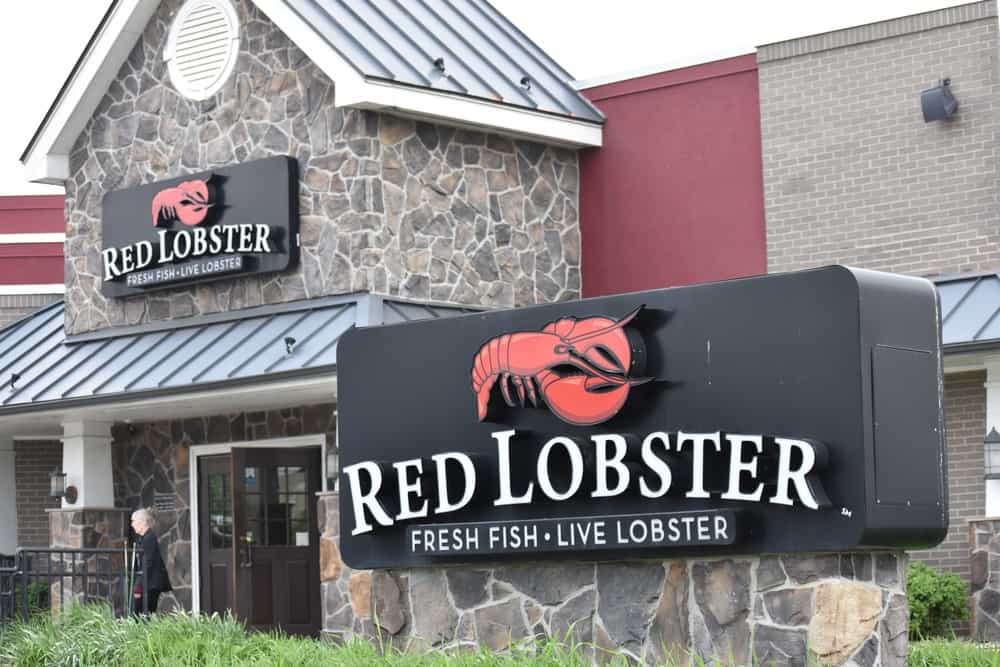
[{"x": 157, "y": 581}]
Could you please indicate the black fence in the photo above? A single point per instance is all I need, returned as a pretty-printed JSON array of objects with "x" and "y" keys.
[{"x": 43, "y": 580}]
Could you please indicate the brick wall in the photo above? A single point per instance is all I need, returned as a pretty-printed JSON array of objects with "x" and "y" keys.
[
  {"x": 34, "y": 460},
  {"x": 15, "y": 306},
  {"x": 965, "y": 424},
  {"x": 852, "y": 173}
]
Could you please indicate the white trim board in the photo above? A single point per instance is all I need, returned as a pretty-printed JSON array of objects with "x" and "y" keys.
[
  {"x": 46, "y": 159},
  {"x": 11, "y": 290},
  {"x": 197, "y": 451},
  {"x": 49, "y": 237}
]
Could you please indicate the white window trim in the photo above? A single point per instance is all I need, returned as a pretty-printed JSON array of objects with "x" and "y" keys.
[{"x": 195, "y": 453}]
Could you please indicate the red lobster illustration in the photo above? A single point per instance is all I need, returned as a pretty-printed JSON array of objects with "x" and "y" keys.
[
  {"x": 595, "y": 350},
  {"x": 188, "y": 202}
]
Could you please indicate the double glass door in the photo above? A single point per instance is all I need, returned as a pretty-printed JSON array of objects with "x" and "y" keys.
[{"x": 258, "y": 540}]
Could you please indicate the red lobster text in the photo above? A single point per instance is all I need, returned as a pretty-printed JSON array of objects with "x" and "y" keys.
[
  {"x": 188, "y": 202},
  {"x": 578, "y": 367}
]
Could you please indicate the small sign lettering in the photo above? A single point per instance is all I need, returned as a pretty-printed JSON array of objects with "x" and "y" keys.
[
  {"x": 164, "y": 502},
  {"x": 632, "y": 531}
]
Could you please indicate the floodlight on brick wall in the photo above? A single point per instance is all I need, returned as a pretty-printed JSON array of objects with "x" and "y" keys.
[
  {"x": 938, "y": 103},
  {"x": 991, "y": 450}
]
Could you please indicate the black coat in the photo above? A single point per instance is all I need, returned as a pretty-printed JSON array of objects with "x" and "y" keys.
[{"x": 152, "y": 564}]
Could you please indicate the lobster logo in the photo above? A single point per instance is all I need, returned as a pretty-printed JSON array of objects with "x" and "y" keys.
[
  {"x": 188, "y": 202},
  {"x": 578, "y": 367}
]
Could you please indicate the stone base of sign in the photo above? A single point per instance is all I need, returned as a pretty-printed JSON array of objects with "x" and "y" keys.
[
  {"x": 831, "y": 609},
  {"x": 984, "y": 607},
  {"x": 87, "y": 529}
]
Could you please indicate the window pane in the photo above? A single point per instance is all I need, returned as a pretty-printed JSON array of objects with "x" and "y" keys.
[
  {"x": 220, "y": 517},
  {"x": 251, "y": 475},
  {"x": 255, "y": 508},
  {"x": 277, "y": 523},
  {"x": 298, "y": 507},
  {"x": 296, "y": 477}
]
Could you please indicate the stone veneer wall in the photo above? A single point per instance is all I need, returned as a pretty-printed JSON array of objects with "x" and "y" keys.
[
  {"x": 105, "y": 528},
  {"x": 984, "y": 560},
  {"x": 153, "y": 458},
  {"x": 387, "y": 205},
  {"x": 839, "y": 609},
  {"x": 34, "y": 460}
]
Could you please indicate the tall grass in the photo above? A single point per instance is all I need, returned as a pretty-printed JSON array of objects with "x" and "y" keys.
[
  {"x": 953, "y": 653},
  {"x": 89, "y": 636}
]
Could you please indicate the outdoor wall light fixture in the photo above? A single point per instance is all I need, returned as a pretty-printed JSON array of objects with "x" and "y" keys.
[
  {"x": 991, "y": 449},
  {"x": 938, "y": 103},
  {"x": 58, "y": 488},
  {"x": 289, "y": 344}
]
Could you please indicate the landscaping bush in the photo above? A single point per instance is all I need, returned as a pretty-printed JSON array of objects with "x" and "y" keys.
[{"x": 937, "y": 599}]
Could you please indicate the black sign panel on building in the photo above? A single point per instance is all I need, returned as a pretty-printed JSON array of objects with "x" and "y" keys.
[
  {"x": 791, "y": 412},
  {"x": 232, "y": 220}
]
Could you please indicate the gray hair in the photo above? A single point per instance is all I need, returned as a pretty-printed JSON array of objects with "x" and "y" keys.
[{"x": 144, "y": 515}]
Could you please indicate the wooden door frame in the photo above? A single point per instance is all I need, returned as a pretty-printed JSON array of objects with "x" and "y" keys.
[{"x": 197, "y": 451}]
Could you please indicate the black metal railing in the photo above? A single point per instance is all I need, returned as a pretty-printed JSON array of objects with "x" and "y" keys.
[{"x": 42, "y": 580}]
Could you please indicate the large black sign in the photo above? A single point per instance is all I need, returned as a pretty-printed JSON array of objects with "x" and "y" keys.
[
  {"x": 240, "y": 219},
  {"x": 793, "y": 412}
]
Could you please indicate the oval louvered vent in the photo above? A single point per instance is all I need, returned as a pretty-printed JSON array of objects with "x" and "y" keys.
[{"x": 202, "y": 47}]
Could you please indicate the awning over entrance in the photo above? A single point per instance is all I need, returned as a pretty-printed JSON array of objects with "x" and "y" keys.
[
  {"x": 41, "y": 369},
  {"x": 969, "y": 312}
]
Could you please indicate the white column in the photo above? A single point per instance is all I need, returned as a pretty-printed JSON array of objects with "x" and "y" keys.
[
  {"x": 87, "y": 463},
  {"x": 992, "y": 508},
  {"x": 8, "y": 497}
]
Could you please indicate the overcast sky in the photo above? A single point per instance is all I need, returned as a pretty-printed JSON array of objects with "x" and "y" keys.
[{"x": 41, "y": 39}]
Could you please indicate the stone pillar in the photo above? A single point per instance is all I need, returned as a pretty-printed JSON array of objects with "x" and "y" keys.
[
  {"x": 798, "y": 609},
  {"x": 992, "y": 421},
  {"x": 105, "y": 528},
  {"x": 984, "y": 607},
  {"x": 87, "y": 463},
  {"x": 8, "y": 497}
]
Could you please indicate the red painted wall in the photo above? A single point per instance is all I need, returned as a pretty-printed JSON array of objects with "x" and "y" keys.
[
  {"x": 675, "y": 196},
  {"x": 32, "y": 214},
  {"x": 31, "y": 263}
]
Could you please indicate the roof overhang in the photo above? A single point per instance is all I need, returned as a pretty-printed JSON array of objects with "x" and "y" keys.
[
  {"x": 46, "y": 158},
  {"x": 46, "y": 422}
]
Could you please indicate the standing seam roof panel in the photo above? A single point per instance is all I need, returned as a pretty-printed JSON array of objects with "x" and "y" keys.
[
  {"x": 472, "y": 57},
  {"x": 542, "y": 83},
  {"x": 400, "y": 49},
  {"x": 485, "y": 55},
  {"x": 178, "y": 356}
]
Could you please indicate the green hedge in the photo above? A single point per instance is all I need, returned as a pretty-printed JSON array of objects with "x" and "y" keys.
[{"x": 937, "y": 599}]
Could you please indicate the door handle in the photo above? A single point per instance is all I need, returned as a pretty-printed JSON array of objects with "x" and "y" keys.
[{"x": 248, "y": 540}]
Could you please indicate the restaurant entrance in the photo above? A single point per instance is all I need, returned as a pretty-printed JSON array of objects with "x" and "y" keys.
[{"x": 258, "y": 545}]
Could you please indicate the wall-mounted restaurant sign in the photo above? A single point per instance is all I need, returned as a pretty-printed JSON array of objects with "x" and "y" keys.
[
  {"x": 239, "y": 219},
  {"x": 792, "y": 412}
]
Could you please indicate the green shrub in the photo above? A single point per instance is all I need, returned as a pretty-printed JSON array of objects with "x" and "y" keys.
[{"x": 937, "y": 599}]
